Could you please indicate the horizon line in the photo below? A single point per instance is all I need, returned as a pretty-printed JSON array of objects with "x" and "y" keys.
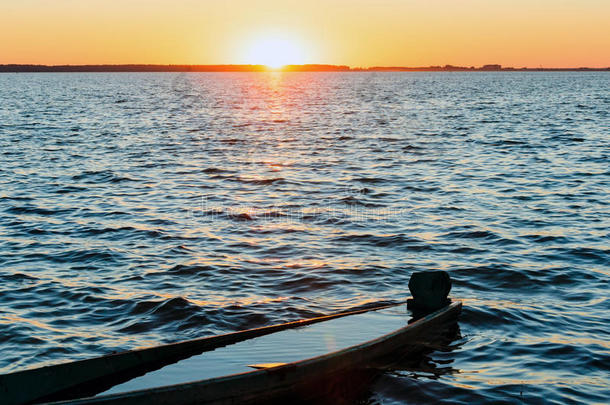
[{"x": 309, "y": 67}]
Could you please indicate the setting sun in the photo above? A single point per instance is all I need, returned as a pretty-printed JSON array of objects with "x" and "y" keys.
[{"x": 275, "y": 52}]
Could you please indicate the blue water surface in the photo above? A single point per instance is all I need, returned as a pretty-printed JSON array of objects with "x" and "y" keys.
[{"x": 144, "y": 208}]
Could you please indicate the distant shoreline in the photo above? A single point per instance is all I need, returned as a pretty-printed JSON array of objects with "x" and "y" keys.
[{"x": 24, "y": 68}]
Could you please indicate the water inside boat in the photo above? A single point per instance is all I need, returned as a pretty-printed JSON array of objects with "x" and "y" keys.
[{"x": 281, "y": 347}]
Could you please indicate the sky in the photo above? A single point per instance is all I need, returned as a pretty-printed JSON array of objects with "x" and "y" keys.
[{"x": 358, "y": 33}]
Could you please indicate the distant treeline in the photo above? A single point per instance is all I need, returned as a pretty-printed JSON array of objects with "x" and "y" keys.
[
  {"x": 14, "y": 68},
  {"x": 168, "y": 68},
  {"x": 485, "y": 68}
]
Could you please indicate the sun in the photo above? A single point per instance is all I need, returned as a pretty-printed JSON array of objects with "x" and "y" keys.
[{"x": 275, "y": 52}]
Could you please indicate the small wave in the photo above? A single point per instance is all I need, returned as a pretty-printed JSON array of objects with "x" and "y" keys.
[
  {"x": 410, "y": 147},
  {"x": 70, "y": 189},
  {"x": 32, "y": 210},
  {"x": 261, "y": 182},
  {"x": 80, "y": 256},
  {"x": 305, "y": 283},
  {"x": 395, "y": 240},
  {"x": 19, "y": 277},
  {"x": 369, "y": 180},
  {"x": 233, "y": 141},
  {"x": 37, "y": 231},
  {"x": 350, "y": 200},
  {"x": 510, "y": 142},
  {"x": 584, "y": 254},
  {"x": 124, "y": 230},
  {"x": 244, "y": 216},
  {"x": 150, "y": 313},
  {"x": 421, "y": 189},
  {"x": 271, "y": 214},
  {"x": 120, "y": 214},
  {"x": 100, "y": 176},
  {"x": 213, "y": 170},
  {"x": 546, "y": 238},
  {"x": 15, "y": 198},
  {"x": 481, "y": 235},
  {"x": 190, "y": 270},
  {"x": 499, "y": 276}
]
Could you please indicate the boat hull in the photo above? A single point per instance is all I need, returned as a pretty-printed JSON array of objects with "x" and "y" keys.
[
  {"x": 303, "y": 380},
  {"x": 88, "y": 377}
]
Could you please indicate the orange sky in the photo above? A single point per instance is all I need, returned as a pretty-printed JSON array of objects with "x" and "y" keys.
[{"x": 558, "y": 33}]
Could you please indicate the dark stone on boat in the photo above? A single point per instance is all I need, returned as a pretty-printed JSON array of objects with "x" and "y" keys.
[{"x": 429, "y": 290}]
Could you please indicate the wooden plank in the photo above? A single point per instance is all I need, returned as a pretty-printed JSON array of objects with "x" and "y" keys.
[{"x": 265, "y": 365}]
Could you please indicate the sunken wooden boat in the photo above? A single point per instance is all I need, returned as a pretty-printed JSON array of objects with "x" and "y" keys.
[{"x": 299, "y": 360}]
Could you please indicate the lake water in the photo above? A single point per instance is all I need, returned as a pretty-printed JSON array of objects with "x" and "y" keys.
[{"x": 138, "y": 209}]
